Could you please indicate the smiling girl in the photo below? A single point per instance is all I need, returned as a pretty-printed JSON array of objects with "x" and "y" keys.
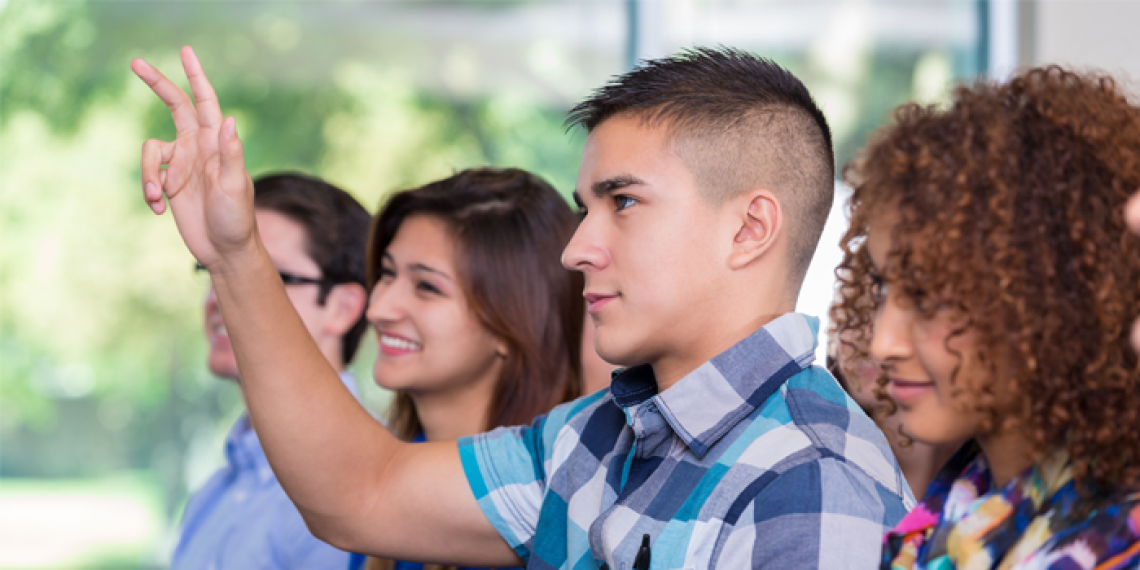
[
  {"x": 479, "y": 325},
  {"x": 988, "y": 270}
]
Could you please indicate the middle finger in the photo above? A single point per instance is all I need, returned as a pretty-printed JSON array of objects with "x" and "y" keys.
[{"x": 209, "y": 113}]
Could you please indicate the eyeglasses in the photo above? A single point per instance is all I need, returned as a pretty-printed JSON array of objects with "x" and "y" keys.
[{"x": 286, "y": 278}]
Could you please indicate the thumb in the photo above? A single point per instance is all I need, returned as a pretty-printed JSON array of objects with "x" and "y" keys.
[{"x": 233, "y": 174}]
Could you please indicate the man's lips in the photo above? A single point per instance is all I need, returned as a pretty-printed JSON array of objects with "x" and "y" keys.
[{"x": 595, "y": 301}]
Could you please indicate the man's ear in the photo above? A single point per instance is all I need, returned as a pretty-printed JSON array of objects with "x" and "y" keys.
[
  {"x": 344, "y": 305},
  {"x": 761, "y": 222}
]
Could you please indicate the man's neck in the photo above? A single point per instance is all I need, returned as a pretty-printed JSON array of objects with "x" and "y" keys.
[{"x": 671, "y": 368}]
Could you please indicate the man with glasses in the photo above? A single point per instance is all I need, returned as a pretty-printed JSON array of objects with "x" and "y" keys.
[{"x": 315, "y": 235}]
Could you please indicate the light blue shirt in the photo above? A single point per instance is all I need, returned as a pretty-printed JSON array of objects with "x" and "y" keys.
[{"x": 242, "y": 519}]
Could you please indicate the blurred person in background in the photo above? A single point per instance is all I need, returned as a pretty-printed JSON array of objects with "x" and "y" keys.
[
  {"x": 988, "y": 268},
  {"x": 479, "y": 325},
  {"x": 315, "y": 235}
]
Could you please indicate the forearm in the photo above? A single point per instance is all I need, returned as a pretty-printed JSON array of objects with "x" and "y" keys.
[
  {"x": 320, "y": 441},
  {"x": 356, "y": 485}
]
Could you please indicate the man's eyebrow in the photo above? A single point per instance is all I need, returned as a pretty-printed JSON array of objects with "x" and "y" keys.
[
  {"x": 611, "y": 185},
  {"x": 577, "y": 200}
]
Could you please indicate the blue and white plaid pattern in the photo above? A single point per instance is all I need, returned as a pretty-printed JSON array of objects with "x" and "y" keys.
[{"x": 754, "y": 460}]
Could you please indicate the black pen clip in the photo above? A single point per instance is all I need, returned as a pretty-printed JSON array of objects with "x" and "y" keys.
[{"x": 641, "y": 561}]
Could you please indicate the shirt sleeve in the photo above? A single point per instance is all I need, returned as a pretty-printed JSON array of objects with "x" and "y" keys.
[
  {"x": 823, "y": 514},
  {"x": 505, "y": 470}
]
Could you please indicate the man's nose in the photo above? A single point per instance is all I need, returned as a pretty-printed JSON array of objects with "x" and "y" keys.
[{"x": 585, "y": 251}]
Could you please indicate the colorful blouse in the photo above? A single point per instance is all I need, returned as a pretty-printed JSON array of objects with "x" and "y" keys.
[{"x": 1028, "y": 524}]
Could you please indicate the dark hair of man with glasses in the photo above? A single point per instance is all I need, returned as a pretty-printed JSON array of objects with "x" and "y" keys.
[
  {"x": 316, "y": 235},
  {"x": 337, "y": 228}
]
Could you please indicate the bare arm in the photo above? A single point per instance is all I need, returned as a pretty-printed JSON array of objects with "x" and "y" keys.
[{"x": 356, "y": 485}]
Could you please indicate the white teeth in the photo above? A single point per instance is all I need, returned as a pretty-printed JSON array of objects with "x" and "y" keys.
[
  {"x": 219, "y": 329},
  {"x": 399, "y": 343}
]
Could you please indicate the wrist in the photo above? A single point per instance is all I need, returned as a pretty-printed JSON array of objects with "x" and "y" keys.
[{"x": 240, "y": 263}]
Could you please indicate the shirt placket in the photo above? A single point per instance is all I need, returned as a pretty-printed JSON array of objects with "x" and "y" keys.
[{"x": 650, "y": 439}]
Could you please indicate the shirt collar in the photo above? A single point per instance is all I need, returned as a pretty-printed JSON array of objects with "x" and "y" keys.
[
  {"x": 708, "y": 402},
  {"x": 243, "y": 448}
]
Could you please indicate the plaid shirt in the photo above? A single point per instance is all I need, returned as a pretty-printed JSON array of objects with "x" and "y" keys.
[{"x": 755, "y": 459}]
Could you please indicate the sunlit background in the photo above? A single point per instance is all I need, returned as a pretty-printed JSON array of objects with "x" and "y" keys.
[{"x": 108, "y": 418}]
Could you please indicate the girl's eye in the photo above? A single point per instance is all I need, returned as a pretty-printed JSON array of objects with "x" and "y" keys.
[
  {"x": 386, "y": 273},
  {"x": 878, "y": 289},
  {"x": 921, "y": 302},
  {"x": 621, "y": 201},
  {"x": 428, "y": 287}
]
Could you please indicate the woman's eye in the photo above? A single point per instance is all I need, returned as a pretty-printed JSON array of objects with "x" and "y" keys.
[
  {"x": 386, "y": 273},
  {"x": 878, "y": 289},
  {"x": 921, "y": 302},
  {"x": 621, "y": 201},
  {"x": 427, "y": 287}
]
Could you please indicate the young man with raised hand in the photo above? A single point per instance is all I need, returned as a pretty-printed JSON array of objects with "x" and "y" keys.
[{"x": 706, "y": 180}]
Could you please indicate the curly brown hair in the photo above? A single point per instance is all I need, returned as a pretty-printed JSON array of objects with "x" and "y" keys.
[{"x": 1011, "y": 201}]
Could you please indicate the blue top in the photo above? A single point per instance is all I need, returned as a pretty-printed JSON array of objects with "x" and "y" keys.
[
  {"x": 756, "y": 459},
  {"x": 356, "y": 561},
  {"x": 242, "y": 519}
]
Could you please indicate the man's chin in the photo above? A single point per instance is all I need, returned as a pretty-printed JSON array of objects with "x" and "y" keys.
[{"x": 624, "y": 356}]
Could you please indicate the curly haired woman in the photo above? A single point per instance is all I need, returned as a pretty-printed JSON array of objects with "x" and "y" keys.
[{"x": 989, "y": 259}]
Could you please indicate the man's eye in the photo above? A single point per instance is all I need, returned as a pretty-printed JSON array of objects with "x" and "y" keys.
[{"x": 622, "y": 202}]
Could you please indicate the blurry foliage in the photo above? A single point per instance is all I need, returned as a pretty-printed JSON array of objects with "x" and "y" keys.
[{"x": 101, "y": 349}]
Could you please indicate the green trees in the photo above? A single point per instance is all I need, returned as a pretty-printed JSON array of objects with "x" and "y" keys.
[{"x": 100, "y": 332}]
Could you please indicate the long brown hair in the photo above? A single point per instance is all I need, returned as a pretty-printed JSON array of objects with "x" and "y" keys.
[
  {"x": 510, "y": 228},
  {"x": 1012, "y": 200}
]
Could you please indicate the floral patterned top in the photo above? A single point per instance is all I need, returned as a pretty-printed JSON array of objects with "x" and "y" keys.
[{"x": 1028, "y": 524}]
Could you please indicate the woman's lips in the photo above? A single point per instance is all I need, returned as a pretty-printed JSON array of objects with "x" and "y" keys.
[
  {"x": 904, "y": 391},
  {"x": 595, "y": 302},
  {"x": 396, "y": 345}
]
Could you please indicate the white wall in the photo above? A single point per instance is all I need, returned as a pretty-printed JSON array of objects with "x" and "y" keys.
[{"x": 1087, "y": 33}]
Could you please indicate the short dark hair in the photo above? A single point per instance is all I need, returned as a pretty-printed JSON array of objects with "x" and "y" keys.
[
  {"x": 510, "y": 228},
  {"x": 740, "y": 122},
  {"x": 336, "y": 232}
]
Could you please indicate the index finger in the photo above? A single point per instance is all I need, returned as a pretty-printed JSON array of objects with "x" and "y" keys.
[
  {"x": 181, "y": 109},
  {"x": 209, "y": 113}
]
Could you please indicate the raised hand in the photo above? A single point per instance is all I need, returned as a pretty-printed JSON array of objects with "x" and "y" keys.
[{"x": 205, "y": 180}]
